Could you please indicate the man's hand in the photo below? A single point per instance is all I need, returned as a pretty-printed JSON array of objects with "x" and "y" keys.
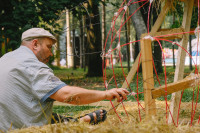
[{"x": 119, "y": 93}]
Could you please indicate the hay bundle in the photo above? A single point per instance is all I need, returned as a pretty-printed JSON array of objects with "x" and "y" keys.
[{"x": 131, "y": 124}]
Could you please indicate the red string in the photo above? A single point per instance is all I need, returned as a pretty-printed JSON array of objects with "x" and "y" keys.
[
  {"x": 165, "y": 77},
  {"x": 137, "y": 2},
  {"x": 134, "y": 12},
  {"x": 112, "y": 29},
  {"x": 148, "y": 22},
  {"x": 179, "y": 107},
  {"x": 192, "y": 116}
]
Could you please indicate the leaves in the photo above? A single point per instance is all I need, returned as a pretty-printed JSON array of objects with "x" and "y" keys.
[{"x": 20, "y": 15}]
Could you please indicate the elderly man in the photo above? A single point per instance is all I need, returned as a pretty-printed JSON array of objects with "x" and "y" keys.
[{"x": 28, "y": 86}]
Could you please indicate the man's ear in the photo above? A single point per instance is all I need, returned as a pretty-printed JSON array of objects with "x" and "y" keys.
[{"x": 34, "y": 44}]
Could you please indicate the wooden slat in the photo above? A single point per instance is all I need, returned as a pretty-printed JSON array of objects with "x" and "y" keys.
[
  {"x": 175, "y": 99},
  {"x": 132, "y": 72},
  {"x": 129, "y": 78},
  {"x": 176, "y": 86},
  {"x": 167, "y": 32},
  {"x": 148, "y": 81},
  {"x": 161, "y": 17},
  {"x": 195, "y": 2}
]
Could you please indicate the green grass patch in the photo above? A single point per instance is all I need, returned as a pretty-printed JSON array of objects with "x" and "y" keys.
[
  {"x": 72, "y": 110},
  {"x": 77, "y": 78}
]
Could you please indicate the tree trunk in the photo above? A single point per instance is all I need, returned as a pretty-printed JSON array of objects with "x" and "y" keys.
[
  {"x": 84, "y": 56},
  {"x": 103, "y": 25},
  {"x": 69, "y": 48},
  {"x": 94, "y": 41},
  {"x": 157, "y": 54},
  {"x": 137, "y": 20},
  {"x": 1, "y": 42},
  {"x": 127, "y": 41},
  {"x": 173, "y": 57},
  {"x": 158, "y": 58},
  {"x": 57, "y": 51},
  {"x": 81, "y": 40},
  {"x": 74, "y": 42},
  {"x": 139, "y": 26},
  {"x": 103, "y": 29},
  {"x": 157, "y": 50}
]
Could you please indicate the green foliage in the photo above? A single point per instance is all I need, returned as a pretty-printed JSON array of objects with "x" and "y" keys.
[
  {"x": 20, "y": 15},
  {"x": 77, "y": 78},
  {"x": 178, "y": 14}
]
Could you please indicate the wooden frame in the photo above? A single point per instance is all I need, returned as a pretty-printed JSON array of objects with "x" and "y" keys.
[{"x": 151, "y": 93}]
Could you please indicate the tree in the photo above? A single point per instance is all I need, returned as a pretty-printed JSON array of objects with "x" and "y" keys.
[
  {"x": 139, "y": 25},
  {"x": 139, "y": 20},
  {"x": 94, "y": 40},
  {"x": 20, "y": 15},
  {"x": 157, "y": 54}
]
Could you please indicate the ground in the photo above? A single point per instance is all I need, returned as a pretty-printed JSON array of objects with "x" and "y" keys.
[{"x": 130, "y": 123}]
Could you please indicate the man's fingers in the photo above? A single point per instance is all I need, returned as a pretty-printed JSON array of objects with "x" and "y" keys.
[
  {"x": 122, "y": 93},
  {"x": 116, "y": 95}
]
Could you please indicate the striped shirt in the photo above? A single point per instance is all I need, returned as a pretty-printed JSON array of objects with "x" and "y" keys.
[{"x": 25, "y": 87}]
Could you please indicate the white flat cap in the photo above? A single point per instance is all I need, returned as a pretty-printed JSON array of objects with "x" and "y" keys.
[{"x": 37, "y": 32}]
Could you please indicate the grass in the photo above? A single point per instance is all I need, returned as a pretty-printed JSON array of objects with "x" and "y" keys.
[
  {"x": 77, "y": 78},
  {"x": 71, "y": 110},
  {"x": 131, "y": 123}
]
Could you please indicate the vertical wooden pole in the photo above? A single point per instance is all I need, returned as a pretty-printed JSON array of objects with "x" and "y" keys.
[
  {"x": 175, "y": 99},
  {"x": 161, "y": 17},
  {"x": 148, "y": 81}
]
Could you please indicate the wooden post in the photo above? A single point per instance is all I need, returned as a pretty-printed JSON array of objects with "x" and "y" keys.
[
  {"x": 175, "y": 99},
  {"x": 148, "y": 81},
  {"x": 161, "y": 17},
  {"x": 132, "y": 72}
]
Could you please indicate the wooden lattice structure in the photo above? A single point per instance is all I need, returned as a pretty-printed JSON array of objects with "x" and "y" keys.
[{"x": 150, "y": 92}]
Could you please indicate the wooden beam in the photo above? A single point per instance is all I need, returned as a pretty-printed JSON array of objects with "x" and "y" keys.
[
  {"x": 148, "y": 81},
  {"x": 161, "y": 17},
  {"x": 195, "y": 2},
  {"x": 175, "y": 99},
  {"x": 188, "y": 82},
  {"x": 171, "y": 32},
  {"x": 132, "y": 72},
  {"x": 129, "y": 78}
]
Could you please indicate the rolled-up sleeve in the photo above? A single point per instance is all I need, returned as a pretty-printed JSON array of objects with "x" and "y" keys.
[{"x": 45, "y": 83}]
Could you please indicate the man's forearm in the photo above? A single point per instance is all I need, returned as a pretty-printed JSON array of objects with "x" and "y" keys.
[
  {"x": 81, "y": 96},
  {"x": 78, "y": 96}
]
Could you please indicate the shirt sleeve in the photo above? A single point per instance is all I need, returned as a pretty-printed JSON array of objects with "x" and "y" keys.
[{"x": 45, "y": 83}]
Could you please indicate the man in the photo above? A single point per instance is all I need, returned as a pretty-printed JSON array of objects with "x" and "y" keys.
[{"x": 28, "y": 87}]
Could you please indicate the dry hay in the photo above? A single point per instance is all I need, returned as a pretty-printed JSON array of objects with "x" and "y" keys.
[{"x": 130, "y": 124}]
